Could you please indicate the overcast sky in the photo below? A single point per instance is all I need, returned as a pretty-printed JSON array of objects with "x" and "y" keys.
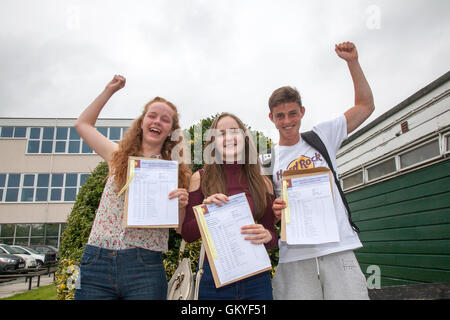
[{"x": 214, "y": 56}]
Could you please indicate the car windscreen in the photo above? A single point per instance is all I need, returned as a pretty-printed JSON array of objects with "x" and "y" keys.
[
  {"x": 10, "y": 250},
  {"x": 32, "y": 250}
]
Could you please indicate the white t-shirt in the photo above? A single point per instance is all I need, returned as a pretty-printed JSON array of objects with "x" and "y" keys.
[{"x": 302, "y": 156}]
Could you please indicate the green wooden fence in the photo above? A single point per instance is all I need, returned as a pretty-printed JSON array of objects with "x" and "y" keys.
[{"x": 405, "y": 226}]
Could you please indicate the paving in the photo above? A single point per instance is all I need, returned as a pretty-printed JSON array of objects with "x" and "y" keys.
[{"x": 19, "y": 285}]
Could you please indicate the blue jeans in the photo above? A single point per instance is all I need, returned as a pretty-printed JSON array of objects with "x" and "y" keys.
[
  {"x": 257, "y": 287},
  {"x": 130, "y": 274}
]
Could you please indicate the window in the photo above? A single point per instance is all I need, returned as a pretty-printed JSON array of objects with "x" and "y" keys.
[
  {"x": 20, "y": 132},
  {"x": 43, "y": 180},
  {"x": 2, "y": 185},
  {"x": 36, "y": 233},
  {"x": 61, "y": 139},
  {"x": 46, "y": 140},
  {"x": 7, "y": 132},
  {"x": 70, "y": 191},
  {"x": 13, "y": 132},
  {"x": 114, "y": 134},
  {"x": 447, "y": 140},
  {"x": 74, "y": 141},
  {"x": 34, "y": 140},
  {"x": 12, "y": 190},
  {"x": 7, "y": 233},
  {"x": 381, "y": 169},
  {"x": 83, "y": 178},
  {"x": 40, "y": 187},
  {"x": 52, "y": 234},
  {"x": 432, "y": 149},
  {"x": 353, "y": 180},
  {"x": 22, "y": 230},
  {"x": 420, "y": 154},
  {"x": 85, "y": 148},
  {"x": 57, "y": 184},
  {"x": 28, "y": 188},
  {"x": 37, "y": 230}
]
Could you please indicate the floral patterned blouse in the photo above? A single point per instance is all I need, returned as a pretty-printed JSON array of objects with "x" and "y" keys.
[{"x": 108, "y": 230}]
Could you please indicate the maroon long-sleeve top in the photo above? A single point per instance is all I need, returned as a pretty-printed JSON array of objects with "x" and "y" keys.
[{"x": 236, "y": 183}]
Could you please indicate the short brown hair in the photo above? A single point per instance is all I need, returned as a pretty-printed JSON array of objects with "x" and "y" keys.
[{"x": 284, "y": 95}]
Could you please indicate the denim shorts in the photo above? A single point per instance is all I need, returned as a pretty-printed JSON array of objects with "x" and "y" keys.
[
  {"x": 257, "y": 287},
  {"x": 130, "y": 274}
]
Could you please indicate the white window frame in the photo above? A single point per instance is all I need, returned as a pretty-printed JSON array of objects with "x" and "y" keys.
[
  {"x": 378, "y": 163},
  {"x": 445, "y": 139},
  {"x": 400, "y": 169},
  {"x": 35, "y": 187},
  {"x": 361, "y": 170},
  {"x": 67, "y": 140},
  {"x": 14, "y": 131}
]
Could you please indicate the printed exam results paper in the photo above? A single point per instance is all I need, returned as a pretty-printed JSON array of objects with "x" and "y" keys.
[
  {"x": 310, "y": 216},
  {"x": 233, "y": 257},
  {"x": 148, "y": 194}
]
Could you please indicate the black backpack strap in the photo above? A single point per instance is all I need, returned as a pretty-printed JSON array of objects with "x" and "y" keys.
[{"x": 314, "y": 141}]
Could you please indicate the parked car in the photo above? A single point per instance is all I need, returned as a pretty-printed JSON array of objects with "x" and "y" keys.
[
  {"x": 41, "y": 258},
  {"x": 43, "y": 248},
  {"x": 30, "y": 262},
  {"x": 10, "y": 263}
]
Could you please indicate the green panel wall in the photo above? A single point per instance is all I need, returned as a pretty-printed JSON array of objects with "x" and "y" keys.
[{"x": 405, "y": 226}]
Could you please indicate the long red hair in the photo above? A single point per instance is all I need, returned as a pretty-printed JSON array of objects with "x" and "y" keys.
[{"x": 131, "y": 145}]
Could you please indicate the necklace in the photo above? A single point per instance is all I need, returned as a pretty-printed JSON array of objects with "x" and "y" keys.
[{"x": 156, "y": 156}]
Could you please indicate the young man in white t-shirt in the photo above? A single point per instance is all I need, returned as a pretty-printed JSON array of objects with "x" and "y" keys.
[{"x": 330, "y": 270}]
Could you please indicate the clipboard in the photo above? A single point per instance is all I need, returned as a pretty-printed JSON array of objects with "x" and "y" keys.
[
  {"x": 212, "y": 254},
  {"x": 285, "y": 180},
  {"x": 134, "y": 162}
]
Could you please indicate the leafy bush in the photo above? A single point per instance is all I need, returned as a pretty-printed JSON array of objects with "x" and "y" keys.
[{"x": 79, "y": 224}]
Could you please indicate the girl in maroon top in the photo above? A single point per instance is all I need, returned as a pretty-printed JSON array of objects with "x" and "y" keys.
[{"x": 234, "y": 168}]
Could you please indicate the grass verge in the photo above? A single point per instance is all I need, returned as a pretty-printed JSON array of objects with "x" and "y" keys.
[{"x": 41, "y": 293}]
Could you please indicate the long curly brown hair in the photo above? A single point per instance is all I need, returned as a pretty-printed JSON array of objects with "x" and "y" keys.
[
  {"x": 131, "y": 145},
  {"x": 214, "y": 180}
]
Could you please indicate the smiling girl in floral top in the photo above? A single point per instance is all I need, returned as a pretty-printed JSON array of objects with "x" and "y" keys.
[{"x": 119, "y": 262}]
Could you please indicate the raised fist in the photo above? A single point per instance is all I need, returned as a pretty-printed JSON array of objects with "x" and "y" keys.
[
  {"x": 346, "y": 51},
  {"x": 117, "y": 83}
]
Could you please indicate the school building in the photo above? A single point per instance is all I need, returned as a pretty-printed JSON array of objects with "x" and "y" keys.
[
  {"x": 43, "y": 164},
  {"x": 395, "y": 172}
]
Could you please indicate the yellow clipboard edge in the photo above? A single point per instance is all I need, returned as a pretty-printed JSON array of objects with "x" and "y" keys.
[
  {"x": 202, "y": 223},
  {"x": 290, "y": 174},
  {"x": 125, "y": 209},
  {"x": 287, "y": 211},
  {"x": 198, "y": 213}
]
